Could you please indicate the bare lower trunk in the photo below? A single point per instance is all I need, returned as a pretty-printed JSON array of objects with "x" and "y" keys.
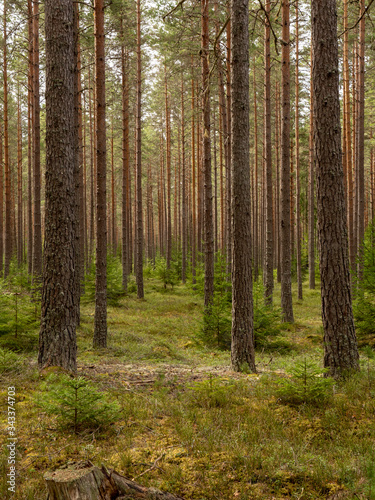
[
  {"x": 100, "y": 329},
  {"x": 340, "y": 344},
  {"x": 286, "y": 280},
  {"x": 242, "y": 353}
]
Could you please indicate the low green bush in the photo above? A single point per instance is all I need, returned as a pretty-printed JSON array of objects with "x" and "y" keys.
[
  {"x": 306, "y": 384},
  {"x": 77, "y": 404},
  {"x": 115, "y": 289}
]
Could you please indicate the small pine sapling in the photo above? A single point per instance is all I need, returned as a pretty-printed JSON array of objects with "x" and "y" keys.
[
  {"x": 77, "y": 403},
  {"x": 306, "y": 385}
]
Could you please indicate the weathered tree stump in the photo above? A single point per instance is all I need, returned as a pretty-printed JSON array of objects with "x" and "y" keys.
[{"x": 84, "y": 481}]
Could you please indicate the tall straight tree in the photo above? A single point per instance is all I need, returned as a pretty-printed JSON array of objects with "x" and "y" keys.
[
  {"x": 29, "y": 140},
  {"x": 37, "y": 243},
  {"x": 311, "y": 183},
  {"x": 1, "y": 205},
  {"x": 340, "y": 343},
  {"x": 361, "y": 142},
  {"x": 242, "y": 352},
  {"x": 208, "y": 213},
  {"x": 139, "y": 214},
  {"x": 8, "y": 189},
  {"x": 183, "y": 194},
  {"x": 298, "y": 182},
  {"x": 268, "y": 271},
  {"x": 285, "y": 232},
  {"x": 100, "y": 330},
  {"x": 125, "y": 162},
  {"x": 57, "y": 340}
]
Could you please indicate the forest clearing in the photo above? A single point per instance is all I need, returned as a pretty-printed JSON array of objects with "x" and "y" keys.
[{"x": 185, "y": 422}]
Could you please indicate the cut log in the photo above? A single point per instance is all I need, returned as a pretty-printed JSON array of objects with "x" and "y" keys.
[{"x": 84, "y": 481}]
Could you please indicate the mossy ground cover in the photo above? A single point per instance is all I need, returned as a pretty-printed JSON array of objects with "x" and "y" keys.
[{"x": 189, "y": 425}]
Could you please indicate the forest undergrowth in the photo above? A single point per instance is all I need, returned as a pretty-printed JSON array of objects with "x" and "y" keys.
[{"x": 162, "y": 406}]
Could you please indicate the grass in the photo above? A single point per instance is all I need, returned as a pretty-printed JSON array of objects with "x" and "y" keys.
[{"x": 189, "y": 425}]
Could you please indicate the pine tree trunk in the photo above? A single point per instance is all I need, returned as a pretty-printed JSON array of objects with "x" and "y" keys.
[
  {"x": 298, "y": 181},
  {"x": 361, "y": 143},
  {"x": 100, "y": 328},
  {"x": 193, "y": 196},
  {"x": 348, "y": 136},
  {"x": 311, "y": 186},
  {"x": 81, "y": 183},
  {"x": 1, "y": 205},
  {"x": 268, "y": 274},
  {"x": 77, "y": 164},
  {"x": 277, "y": 201},
  {"x": 8, "y": 188},
  {"x": 242, "y": 352},
  {"x": 184, "y": 200},
  {"x": 208, "y": 215},
  {"x": 139, "y": 216},
  {"x": 286, "y": 280},
  {"x": 169, "y": 168},
  {"x": 340, "y": 344},
  {"x": 30, "y": 224},
  {"x": 37, "y": 244},
  {"x": 256, "y": 213},
  {"x": 57, "y": 340},
  {"x": 125, "y": 163},
  {"x": 19, "y": 187},
  {"x": 229, "y": 151}
]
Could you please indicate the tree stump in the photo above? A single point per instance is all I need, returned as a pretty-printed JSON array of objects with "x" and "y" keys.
[{"x": 84, "y": 481}]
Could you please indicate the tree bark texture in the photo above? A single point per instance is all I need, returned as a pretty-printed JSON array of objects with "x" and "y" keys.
[
  {"x": 361, "y": 143},
  {"x": 57, "y": 339},
  {"x": 139, "y": 213},
  {"x": 37, "y": 244},
  {"x": 340, "y": 344},
  {"x": 100, "y": 329},
  {"x": 242, "y": 352},
  {"x": 8, "y": 188},
  {"x": 29, "y": 143},
  {"x": 125, "y": 164},
  {"x": 208, "y": 210},
  {"x": 268, "y": 271},
  {"x": 286, "y": 280}
]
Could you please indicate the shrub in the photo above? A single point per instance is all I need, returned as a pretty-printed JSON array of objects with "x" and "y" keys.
[
  {"x": 10, "y": 362},
  {"x": 306, "y": 385},
  {"x": 77, "y": 404},
  {"x": 114, "y": 282},
  {"x": 217, "y": 320},
  {"x": 364, "y": 306},
  {"x": 211, "y": 393}
]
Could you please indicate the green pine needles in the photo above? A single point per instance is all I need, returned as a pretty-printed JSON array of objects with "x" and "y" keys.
[
  {"x": 77, "y": 404},
  {"x": 306, "y": 385}
]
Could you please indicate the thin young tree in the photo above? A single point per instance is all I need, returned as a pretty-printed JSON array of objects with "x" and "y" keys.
[
  {"x": 100, "y": 329},
  {"x": 57, "y": 340},
  {"x": 242, "y": 352},
  {"x": 340, "y": 343}
]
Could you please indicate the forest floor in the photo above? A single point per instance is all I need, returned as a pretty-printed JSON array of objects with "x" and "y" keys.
[{"x": 186, "y": 423}]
